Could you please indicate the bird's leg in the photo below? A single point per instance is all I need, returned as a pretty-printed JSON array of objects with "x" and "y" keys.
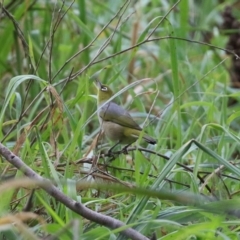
[
  {"x": 124, "y": 150},
  {"x": 110, "y": 150}
]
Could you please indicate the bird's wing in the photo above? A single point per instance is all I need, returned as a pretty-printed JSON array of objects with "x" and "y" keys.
[{"x": 115, "y": 113}]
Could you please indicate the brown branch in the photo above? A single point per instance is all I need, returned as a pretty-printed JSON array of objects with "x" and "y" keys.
[
  {"x": 93, "y": 61},
  {"x": 54, "y": 27},
  {"x": 163, "y": 18},
  {"x": 23, "y": 113},
  {"x": 79, "y": 72},
  {"x": 163, "y": 156},
  {"x": 163, "y": 38},
  {"x": 105, "y": 44},
  {"x": 67, "y": 201},
  {"x": 18, "y": 31}
]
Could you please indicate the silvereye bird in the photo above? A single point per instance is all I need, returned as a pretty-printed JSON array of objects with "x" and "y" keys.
[{"x": 116, "y": 122}]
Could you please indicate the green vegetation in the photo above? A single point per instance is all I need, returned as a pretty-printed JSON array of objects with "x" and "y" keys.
[{"x": 166, "y": 62}]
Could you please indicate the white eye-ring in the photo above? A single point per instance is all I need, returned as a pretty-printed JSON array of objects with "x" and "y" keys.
[{"x": 104, "y": 89}]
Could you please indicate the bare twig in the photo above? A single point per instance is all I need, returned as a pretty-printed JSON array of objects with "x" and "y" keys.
[
  {"x": 163, "y": 156},
  {"x": 105, "y": 44},
  {"x": 142, "y": 43},
  {"x": 54, "y": 30},
  {"x": 164, "y": 17},
  {"x": 163, "y": 38},
  {"x": 23, "y": 113},
  {"x": 67, "y": 201},
  {"x": 18, "y": 30}
]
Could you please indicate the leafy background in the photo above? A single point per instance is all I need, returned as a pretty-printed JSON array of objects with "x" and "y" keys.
[{"x": 166, "y": 62}]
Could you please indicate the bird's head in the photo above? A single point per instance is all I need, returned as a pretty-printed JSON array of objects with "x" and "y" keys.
[{"x": 104, "y": 92}]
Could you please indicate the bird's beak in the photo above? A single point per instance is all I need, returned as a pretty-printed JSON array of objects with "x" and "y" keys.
[
  {"x": 94, "y": 78},
  {"x": 97, "y": 83}
]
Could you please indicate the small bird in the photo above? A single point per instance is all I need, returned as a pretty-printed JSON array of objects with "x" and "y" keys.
[{"x": 116, "y": 122}]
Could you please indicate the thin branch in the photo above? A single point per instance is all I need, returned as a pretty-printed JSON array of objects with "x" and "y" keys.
[
  {"x": 19, "y": 31},
  {"x": 164, "y": 17},
  {"x": 163, "y": 156},
  {"x": 105, "y": 44},
  {"x": 23, "y": 113},
  {"x": 142, "y": 43},
  {"x": 210, "y": 176},
  {"x": 53, "y": 31},
  {"x": 75, "y": 206},
  {"x": 163, "y": 38}
]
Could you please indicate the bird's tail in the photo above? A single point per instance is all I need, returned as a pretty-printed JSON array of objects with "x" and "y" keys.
[
  {"x": 137, "y": 133},
  {"x": 149, "y": 139}
]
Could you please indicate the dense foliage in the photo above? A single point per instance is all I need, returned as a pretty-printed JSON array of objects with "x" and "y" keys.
[{"x": 168, "y": 64}]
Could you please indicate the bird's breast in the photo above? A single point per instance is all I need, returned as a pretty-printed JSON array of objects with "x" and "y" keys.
[
  {"x": 115, "y": 132},
  {"x": 112, "y": 130}
]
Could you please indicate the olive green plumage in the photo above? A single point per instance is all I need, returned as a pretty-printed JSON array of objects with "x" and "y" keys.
[{"x": 116, "y": 122}]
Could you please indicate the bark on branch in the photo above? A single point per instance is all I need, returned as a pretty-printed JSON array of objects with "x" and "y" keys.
[{"x": 75, "y": 206}]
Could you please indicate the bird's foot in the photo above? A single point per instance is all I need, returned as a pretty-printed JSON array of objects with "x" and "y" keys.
[
  {"x": 110, "y": 153},
  {"x": 124, "y": 150}
]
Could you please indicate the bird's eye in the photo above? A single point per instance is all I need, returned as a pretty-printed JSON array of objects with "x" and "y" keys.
[{"x": 104, "y": 88}]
